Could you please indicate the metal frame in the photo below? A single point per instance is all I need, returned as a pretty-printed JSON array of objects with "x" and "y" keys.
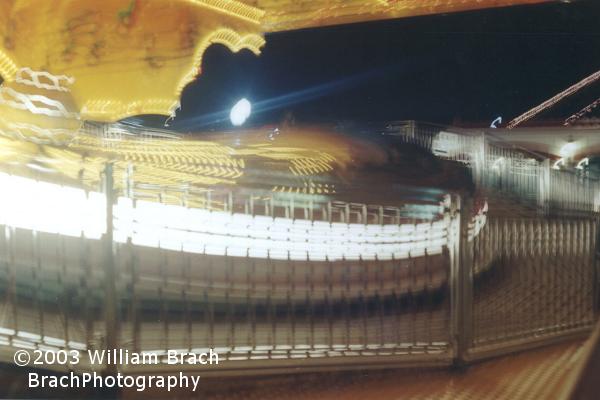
[{"x": 459, "y": 254}]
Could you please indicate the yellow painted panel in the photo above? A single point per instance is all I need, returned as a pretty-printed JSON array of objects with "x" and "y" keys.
[{"x": 128, "y": 57}]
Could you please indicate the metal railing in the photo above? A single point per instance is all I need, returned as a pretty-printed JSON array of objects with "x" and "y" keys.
[
  {"x": 533, "y": 280},
  {"x": 497, "y": 284},
  {"x": 478, "y": 293},
  {"x": 297, "y": 306},
  {"x": 499, "y": 167}
]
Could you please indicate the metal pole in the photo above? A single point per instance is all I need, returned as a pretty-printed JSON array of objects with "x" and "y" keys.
[
  {"x": 595, "y": 242},
  {"x": 544, "y": 186},
  {"x": 454, "y": 255},
  {"x": 462, "y": 282},
  {"x": 111, "y": 313}
]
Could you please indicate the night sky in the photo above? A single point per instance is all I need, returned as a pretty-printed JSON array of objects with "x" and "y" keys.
[{"x": 466, "y": 67}]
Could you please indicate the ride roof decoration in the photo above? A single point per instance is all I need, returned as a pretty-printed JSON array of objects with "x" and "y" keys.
[
  {"x": 130, "y": 57},
  {"x": 125, "y": 57},
  {"x": 281, "y": 15}
]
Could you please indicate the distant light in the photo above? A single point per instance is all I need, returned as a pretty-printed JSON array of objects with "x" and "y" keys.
[
  {"x": 558, "y": 163},
  {"x": 240, "y": 112},
  {"x": 495, "y": 122},
  {"x": 568, "y": 149},
  {"x": 274, "y": 133},
  {"x": 39, "y": 168},
  {"x": 584, "y": 162}
]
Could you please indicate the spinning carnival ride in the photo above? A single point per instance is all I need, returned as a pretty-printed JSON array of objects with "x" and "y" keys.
[{"x": 268, "y": 245}]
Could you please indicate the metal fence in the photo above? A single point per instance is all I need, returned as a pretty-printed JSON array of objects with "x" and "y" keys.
[
  {"x": 355, "y": 282},
  {"x": 454, "y": 286},
  {"x": 499, "y": 167},
  {"x": 533, "y": 280}
]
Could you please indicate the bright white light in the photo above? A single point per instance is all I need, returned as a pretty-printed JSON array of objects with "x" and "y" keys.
[
  {"x": 495, "y": 122},
  {"x": 582, "y": 163},
  {"x": 221, "y": 233},
  {"x": 46, "y": 207},
  {"x": 568, "y": 149},
  {"x": 558, "y": 163},
  {"x": 240, "y": 112}
]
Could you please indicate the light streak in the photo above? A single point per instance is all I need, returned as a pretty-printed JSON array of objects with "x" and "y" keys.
[
  {"x": 35, "y": 134},
  {"x": 227, "y": 37},
  {"x": 40, "y": 206},
  {"x": 282, "y": 101},
  {"x": 221, "y": 233},
  {"x": 495, "y": 122},
  {"x": 34, "y": 103},
  {"x": 46, "y": 207},
  {"x": 233, "y": 8},
  {"x": 33, "y": 111},
  {"x": 22, "y": 338},
  {"x": 288, "y": 15},
  {"x": 552, "y": 101},
  {"x": 27, "y": 76},
  {"x": 582, "y": 112},
  {"x": 568, "y": 149},
  {"x": 584, "y": 162},
  {"x": 558, "y": 163},
  {"x": 8, "y": 68}
]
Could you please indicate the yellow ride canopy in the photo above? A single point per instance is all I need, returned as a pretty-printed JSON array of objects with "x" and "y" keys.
[{"x": 119, "y": 58}]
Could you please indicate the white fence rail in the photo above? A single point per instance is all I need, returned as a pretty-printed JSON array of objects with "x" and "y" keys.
[{"x": 500, "y": 167}]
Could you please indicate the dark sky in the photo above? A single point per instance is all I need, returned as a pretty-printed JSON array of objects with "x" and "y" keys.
[{"x": 469, "y": 66}]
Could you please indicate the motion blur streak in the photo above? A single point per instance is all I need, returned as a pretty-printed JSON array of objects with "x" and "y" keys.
[{"x": 77, "y": 213}]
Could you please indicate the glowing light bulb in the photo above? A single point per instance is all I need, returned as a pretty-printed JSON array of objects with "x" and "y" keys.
[
  {"x": 240, "y": 112},
  {"x": 568, "y": 149}
]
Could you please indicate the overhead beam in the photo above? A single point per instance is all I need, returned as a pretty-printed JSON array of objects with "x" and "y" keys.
[{"x": 285, "y": 15}]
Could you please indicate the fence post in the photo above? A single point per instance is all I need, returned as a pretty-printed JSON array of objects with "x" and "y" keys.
[
  {"x": 462, "y": 280},
  {"x": 483, "y": 168},
  {"x": 544, "y": 186},
  {"x": 111, "y": 313},
  {"x": 595, "y": 232}
]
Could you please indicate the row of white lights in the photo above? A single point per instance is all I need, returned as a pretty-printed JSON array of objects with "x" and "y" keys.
[
  {"x": 46, "y": 207},
  {"x": 241, "y": 235},
  {"x": 32, "y": 341}
]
